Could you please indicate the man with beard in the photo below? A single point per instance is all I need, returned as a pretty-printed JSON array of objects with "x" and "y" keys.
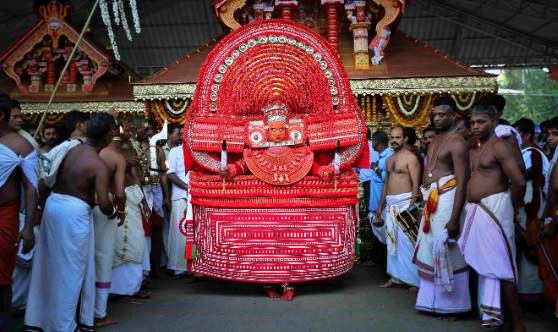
[
  {"x": 49, "y": 136},
  {"x": 399, "y": 193},
  {"x": 64, "y": 266},
  {"x": 444, "y": 277},
  {"x": 487, "y": 241}
]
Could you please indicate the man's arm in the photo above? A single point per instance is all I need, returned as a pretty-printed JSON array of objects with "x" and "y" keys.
[
  {"x": 119, "y": 188},
  {"x": 384, "y": 192},
  {"x": 171, "y": 173},
  {"x": 516, "y": 151},
  {"x": 414, "y": 171},
  {"x": 31, "y": 198},
  {"x": 176, "y": 181},
  {"x": 102, "y": 180},
  {"x": 505, "y": 156},
  {"x": 161, "y": 159},
  {"x": 460, "y": 160}
]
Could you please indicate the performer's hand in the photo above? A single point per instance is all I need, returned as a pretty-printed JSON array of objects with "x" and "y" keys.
[
  {"x": 28, "y": 237},
  {"x": 229, "y": 173},
  {"x": 453, "y": 229},
  {"x": 325, "y": 173}
]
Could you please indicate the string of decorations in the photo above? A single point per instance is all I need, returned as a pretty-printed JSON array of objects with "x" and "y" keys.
[
  {"x": 119, "y": 14},
  {"x": 419, "y": 118}
]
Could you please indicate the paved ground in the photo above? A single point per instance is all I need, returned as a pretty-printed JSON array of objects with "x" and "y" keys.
[{"x": 353, "y": 303}]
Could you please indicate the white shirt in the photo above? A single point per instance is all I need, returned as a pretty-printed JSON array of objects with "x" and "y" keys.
[{"x": 176, "y": 166}]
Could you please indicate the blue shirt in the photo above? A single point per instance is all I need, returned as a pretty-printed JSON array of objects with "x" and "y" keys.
[
  {"x": 378, "y": 180},
  {"x": 365, "y": 174}
]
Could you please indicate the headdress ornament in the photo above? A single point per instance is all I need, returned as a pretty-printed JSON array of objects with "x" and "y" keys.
[{"x": 275, "y": 112}]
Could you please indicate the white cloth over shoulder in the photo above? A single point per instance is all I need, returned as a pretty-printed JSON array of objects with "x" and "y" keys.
[
  {"x": 176, "y": 166},
  {"x": 503, "y": 131},
  {"x": 51, "y": 161},
  {"x": 9, "y": 161}
]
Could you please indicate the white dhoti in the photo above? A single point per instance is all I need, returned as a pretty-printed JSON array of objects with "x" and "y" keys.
[
  {"x": 400, "y": 248},
  {"x": 177, "y": 241},
  {"x": 63, "y": 268},
  {"x": 433, "y": 296},
  {"x": 487, "y": 241},
  {"x": 127, "y": 273},
  {"x": 22, "y": 270},
  {"x": 105, "y": 234}
]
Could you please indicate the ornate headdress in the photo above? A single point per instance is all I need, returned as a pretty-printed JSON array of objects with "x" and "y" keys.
[{"x": 275, "y": 112}]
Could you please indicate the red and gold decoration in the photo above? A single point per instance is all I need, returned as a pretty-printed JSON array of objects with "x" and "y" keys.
[
  {"x": 409, "y": 110},
  {"x": 282, "y": 75},
  {"x": 34, "y": 61},
  {"x": 172, "y": 110}
]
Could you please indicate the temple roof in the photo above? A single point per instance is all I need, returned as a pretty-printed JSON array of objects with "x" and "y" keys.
[{"x": 410, "y": 66}]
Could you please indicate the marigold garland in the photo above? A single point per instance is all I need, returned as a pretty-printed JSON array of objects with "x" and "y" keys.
[{"x": 420, "y": 118}]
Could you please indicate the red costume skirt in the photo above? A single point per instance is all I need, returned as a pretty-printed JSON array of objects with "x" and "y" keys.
[{"x": 9, "y": 231}]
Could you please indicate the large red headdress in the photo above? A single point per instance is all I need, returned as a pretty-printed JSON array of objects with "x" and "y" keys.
[{"x": 271, "y": 62}]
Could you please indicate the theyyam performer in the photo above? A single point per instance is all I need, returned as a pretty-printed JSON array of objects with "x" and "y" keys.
[{"x": 270, "y": 147}]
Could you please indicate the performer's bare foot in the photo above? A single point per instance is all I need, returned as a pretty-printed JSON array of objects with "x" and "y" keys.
[
  {"x": 271, "y": 292},
  {"x": 106, "y": 321},
  {"x": 288, "y": 293},
  {"x": 392, "y": 284}
]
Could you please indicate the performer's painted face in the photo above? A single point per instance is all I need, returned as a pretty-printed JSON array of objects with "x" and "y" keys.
[{"x": 276, "y": 131}]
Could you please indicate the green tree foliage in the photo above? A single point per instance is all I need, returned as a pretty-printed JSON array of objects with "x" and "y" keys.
[{"x": 530, "y": 93}]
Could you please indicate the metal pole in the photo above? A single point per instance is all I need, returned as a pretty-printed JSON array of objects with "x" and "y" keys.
[{"x": 66, "y": 65}]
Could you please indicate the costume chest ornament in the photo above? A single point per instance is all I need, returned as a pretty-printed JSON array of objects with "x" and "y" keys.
[{"x": 279, "y": 165}]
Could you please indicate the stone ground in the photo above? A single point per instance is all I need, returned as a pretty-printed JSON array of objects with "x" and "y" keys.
[{"x": 353, "y": 303}]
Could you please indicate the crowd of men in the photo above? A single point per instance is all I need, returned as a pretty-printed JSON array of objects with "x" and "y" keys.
[
  {"x": 487, "y": 191},
  {"x": 92, "y": 214},
  {"x": 85, "y": 215}
]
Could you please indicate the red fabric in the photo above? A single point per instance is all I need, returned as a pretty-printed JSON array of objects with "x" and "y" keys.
[
  {"x": 9, "y": 231},
  {"x": 146, "y": 224},
  {"x": 271, "y": 245}
]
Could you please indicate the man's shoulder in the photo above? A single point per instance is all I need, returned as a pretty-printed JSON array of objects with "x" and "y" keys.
[
  {"x": 176, "y": 150},
  {"x": 16, "y": 143}
]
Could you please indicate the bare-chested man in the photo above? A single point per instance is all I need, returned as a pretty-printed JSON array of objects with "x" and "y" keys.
[
  {"x": 64, "y": 265},
  {"x": 15, "y": 173},
  {"x": 130, "y": 243},
  {"x": 488, "y": 234},
  {"x": 444, "y": 183},
  {"x": 399, "y": 193},
  {"x": 105, "y": 228}
]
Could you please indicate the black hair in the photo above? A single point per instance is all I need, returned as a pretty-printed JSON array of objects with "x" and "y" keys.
[
  {"x": 504, "y": 122},
  {"x": 447, "y": 101},
  {"x": 47, "y": 126},
  {"x": 380, "y": 137},
  {"x": 6, "y": 108},
  {"x": 171, "y": 127},
  {"x": 498, "y": 101},
  {"x": 489, "y": 110},
  {"x": 99, "y": 125},
  {"x": 552, "y": 123},
  {"x": 525, "y": 126},
  {"x": 15, "y": 104},
  {"x": 429, "y": 128},
  {"x": 368, "y": 134},
  {"x": 410, "y": 134},
  {"x": 72, "y": 119}
]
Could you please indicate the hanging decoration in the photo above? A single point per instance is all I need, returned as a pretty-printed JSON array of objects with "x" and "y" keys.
[
  {"x": 465, "y": 101},
  {"x": 120, "y": 18},
  {"x": 409, "y": 111},
  {"x": 173, "y": 110}
]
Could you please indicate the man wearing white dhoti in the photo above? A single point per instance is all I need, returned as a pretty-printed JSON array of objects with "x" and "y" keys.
[
  {"x": 487, "y": 240},
  {"x": 105, "y": 230},
  {"x": 400, "y": 192},
  {"x": 127, "y": 273},
  {"x": 443, "y": 274},
  {"x": 63, "y": 266},
  {"x": 180, "y": 209}
]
